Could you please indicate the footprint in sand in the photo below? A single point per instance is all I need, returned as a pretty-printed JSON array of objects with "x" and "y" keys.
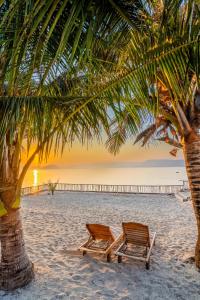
[
  {"x": 61, "y": 263},
  {"x": 98, "y": 282},
  {"x": 76, "y": 277},
  {"x": 60, "y": 296},
  {"x": 108, "y": 293}
]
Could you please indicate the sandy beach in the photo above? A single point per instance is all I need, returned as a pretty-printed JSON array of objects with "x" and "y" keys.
[{"x": 54, "y": 225}]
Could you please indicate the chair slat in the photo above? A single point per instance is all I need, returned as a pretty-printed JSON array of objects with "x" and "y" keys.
[
  {"x": 100, "y": 232},
  {"x": 136, "y": 233}
]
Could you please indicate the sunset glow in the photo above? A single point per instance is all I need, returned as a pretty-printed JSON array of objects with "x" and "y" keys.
[
  {"x": 35, "y": 177},
  {"x": 97, "y": 153}
]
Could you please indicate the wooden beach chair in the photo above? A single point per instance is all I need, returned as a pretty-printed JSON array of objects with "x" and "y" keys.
[
  {"x": 101, "y": 240},
  {"x": 136, "y": 243}
]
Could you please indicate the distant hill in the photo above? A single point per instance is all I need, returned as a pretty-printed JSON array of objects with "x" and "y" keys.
[
  {"x": 161, "y": 163},
  {"x": 155, "y": 163}
]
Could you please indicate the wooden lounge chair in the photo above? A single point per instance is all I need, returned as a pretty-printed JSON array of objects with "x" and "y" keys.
[
  {"x": 136, "y": 243},
  {"x": 101, "y": 240}
]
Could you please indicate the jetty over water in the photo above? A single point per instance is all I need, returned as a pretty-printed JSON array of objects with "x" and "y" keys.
[{"x": 107, "y": 188}]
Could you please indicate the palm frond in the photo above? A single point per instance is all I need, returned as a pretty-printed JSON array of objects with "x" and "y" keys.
[
  {"x": 170, "y": 141},
  {"x": 146, "y": 134}
]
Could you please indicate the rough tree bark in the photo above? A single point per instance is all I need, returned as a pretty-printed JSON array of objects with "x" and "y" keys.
[
  {"x": 192, "y": 160},
  {"x": 16, "y": 270}
]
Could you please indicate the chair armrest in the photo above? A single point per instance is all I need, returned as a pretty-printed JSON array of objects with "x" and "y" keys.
[
  {"x": 151, "y": 246},
  {"x": 86, "y": 243},
  {"x": 115, "y": 242}
]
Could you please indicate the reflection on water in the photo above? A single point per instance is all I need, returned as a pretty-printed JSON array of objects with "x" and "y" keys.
[
  {"x": 138, "y": 176},
  {"x": 35, "y": 178}
]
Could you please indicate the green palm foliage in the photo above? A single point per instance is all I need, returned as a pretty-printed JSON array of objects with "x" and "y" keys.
[
  {"x": 42, "y": 46},
  {"x": 160, "y": 77},
  {"x": 46, "y": 54},
  {"x": 48, "y": 38}
]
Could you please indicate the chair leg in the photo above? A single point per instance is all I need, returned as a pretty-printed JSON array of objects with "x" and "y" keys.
[
  {"x": 108, "y": 257},
  {"x": 145, "y": 252},
  {"x": 119, "y": 258},
  {"x": 147, "y": 265},
  {"x": 84, "y": 252}
]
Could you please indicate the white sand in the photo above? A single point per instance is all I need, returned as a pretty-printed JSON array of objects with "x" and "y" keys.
[{"x": 56, "y": 224}]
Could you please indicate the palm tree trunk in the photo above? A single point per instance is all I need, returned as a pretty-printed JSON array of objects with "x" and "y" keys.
[
  {"x": 16, "y": 270},
  {"x": 192, "y": 161}
]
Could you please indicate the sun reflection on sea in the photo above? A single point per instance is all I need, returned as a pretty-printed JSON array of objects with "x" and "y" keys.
[
  {"x": 130, "y": 176},
  {"x": 35, "y": 177}
]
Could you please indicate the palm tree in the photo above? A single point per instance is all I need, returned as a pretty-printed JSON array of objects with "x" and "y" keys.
[
  {"x": 159, "y": 88},
  {"x": 46, "y": 53},
  {"x": 72, "y": 60}
]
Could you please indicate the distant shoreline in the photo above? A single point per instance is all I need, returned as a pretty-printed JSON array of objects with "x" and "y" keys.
[{"x": 164, "y": 163}]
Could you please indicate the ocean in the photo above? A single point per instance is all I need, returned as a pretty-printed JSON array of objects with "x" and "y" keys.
[{"x": 137, "y": 176}]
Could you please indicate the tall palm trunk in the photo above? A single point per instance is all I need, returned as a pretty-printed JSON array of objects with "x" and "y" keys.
[
  {"x": 192, "y": 161},
  {"x": 16, "y": 270}
]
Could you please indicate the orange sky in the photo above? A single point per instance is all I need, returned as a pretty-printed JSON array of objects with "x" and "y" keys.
[{"x": 97, "y": 153}]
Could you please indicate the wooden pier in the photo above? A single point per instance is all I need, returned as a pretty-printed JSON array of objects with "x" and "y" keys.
[{"x": 105, "y": 188}]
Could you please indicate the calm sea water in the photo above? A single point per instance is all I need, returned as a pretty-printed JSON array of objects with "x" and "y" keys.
[{"x": 151, "y": 176}]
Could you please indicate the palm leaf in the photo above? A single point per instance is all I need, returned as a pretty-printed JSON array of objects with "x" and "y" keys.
[{"x": 146, "y": 134}]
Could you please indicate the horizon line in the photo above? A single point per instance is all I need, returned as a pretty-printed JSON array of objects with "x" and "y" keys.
[{"x": 157, "y": 163}]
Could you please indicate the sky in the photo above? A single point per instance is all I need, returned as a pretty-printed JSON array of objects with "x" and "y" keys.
[{"x": 97, "y": 154}]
